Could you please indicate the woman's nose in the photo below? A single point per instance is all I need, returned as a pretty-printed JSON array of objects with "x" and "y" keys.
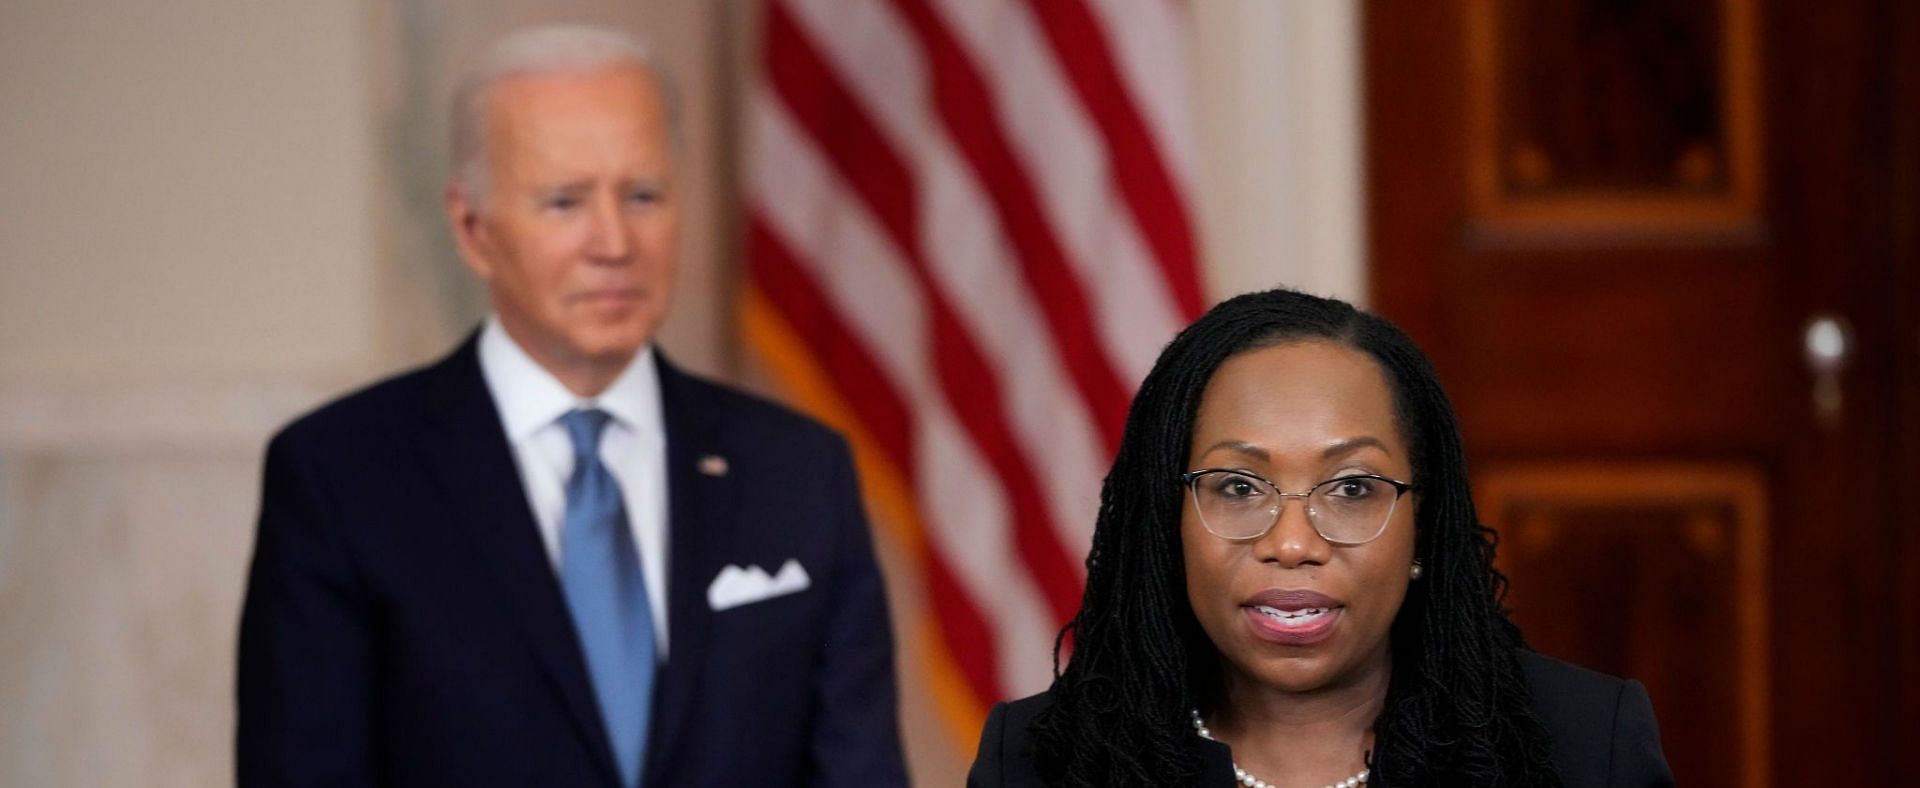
[{"x": 1293, "y": 541}]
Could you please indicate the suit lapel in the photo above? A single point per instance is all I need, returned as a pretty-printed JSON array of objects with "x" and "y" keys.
[
  {"x": 1216, "y": 761},
  {"x": 475, "y": 465},
  {"x": 699, "y": 496}
]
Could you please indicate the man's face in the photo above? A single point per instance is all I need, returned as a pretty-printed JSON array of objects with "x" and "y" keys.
[{"x": 578, "y": 227}]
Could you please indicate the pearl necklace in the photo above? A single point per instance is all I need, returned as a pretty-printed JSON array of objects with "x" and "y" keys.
[{"x": 1250, "y": 781}]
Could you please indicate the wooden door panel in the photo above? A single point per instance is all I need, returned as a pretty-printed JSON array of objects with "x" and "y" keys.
[
  {"x": 1656, "y": 571},
  {"x": 1618, "y": 117},
  {"x": 1609, "y": 223},
  {"x": 1652, "y": 348}
]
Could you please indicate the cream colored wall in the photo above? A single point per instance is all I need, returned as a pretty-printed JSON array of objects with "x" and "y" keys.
[
  {"x": 1278, "y": 91},
  {"x": 215, "y": 214},
  {"x": 186, "y": 256},
  {"x": 146, "y": 158}
]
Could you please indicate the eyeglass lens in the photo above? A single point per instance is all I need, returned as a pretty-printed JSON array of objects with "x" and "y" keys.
[{"x": 1347, "y": 509}]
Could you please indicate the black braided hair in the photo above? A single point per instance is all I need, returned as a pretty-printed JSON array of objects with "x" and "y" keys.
[{"x": 1457, "y": 710}]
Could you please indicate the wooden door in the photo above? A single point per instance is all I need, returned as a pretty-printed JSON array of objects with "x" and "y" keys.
[{"x": 1616, "y": 225}]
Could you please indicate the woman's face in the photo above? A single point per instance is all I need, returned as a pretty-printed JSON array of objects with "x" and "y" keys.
[{"x": 1299, "y": 414}]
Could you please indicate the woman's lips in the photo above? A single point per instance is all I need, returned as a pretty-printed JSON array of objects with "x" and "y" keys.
[
  {"x": 1292, "y": 617},
  {"x": 1292, "y": 627}
]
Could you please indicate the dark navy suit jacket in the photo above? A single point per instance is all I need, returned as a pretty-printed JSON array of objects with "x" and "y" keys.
[
  {"x": 1604, "y": 735},
  {"x": 403, "y": 624}
]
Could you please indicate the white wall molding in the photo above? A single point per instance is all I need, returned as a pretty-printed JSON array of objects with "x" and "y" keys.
[
  {"x": 1279, "y": 100},
  {"x": 119, "y": 417}
]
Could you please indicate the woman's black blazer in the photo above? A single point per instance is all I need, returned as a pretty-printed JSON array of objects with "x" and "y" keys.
[{"x": 1604, "y": 735}]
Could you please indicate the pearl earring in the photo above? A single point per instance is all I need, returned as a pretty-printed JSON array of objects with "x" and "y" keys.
[{"x": 1415, "y": 571}]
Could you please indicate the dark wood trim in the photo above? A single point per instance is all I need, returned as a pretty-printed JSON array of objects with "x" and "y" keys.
[
  {"x": 1903, "y": 99},
  {"x": 1503, "y": 219}
]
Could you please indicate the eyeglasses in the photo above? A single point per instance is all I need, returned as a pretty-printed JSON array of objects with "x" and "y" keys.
[{"x": 1348, "y": 510}]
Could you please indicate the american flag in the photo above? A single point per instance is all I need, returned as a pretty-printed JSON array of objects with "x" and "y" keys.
[{"x": 969, "y": 232}]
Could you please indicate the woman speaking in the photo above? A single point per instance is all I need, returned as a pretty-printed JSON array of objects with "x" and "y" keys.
[{"x": 1288, "y": 587}]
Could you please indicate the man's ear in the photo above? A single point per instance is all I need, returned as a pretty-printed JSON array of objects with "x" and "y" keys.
[{"x": 469, "y": 234}]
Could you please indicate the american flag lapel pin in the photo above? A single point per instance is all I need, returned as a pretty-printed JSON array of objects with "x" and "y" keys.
[{"x": 713, "y": 465}]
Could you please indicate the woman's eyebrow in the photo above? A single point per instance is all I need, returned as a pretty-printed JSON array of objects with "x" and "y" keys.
[
  {"x": 1349, "y": 445},
  {"x": 1241, "y": 447}
]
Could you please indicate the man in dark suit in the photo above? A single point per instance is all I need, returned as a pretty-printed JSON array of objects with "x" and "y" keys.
[{"x": 552, "y": 558}]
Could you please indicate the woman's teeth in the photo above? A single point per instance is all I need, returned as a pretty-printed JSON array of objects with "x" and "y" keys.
[{"x": 1293, "y": 616}]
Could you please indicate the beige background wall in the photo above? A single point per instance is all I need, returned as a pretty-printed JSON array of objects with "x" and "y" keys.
[{"x": 215, "y": 214}]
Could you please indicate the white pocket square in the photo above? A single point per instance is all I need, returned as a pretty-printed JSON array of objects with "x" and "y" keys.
[{"x": 734, "y": 586}]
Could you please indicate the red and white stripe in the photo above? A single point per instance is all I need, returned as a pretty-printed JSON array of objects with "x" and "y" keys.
[{"x": 973, "y": 216}]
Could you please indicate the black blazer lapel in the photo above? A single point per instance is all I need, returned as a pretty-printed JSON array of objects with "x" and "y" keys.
[
  {"x": 475, "y": 465},
  {"x": 699, "y": 499},
  {"x": 1216, "y": 769}
]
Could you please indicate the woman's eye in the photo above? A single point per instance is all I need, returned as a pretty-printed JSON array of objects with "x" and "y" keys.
[
  {"x": 1236, "y": 487},
  {"x": 646, "y": 197},
  {"x": 1353, "y": 488},
  {"x": 562, "y": 203}
]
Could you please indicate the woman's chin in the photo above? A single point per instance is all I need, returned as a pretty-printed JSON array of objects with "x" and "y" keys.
[
  {"x": 1293, "y": 675},
  {"x": 1319, "y": 670}
]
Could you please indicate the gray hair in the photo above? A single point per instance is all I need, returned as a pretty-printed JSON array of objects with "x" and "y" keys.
[{"x": 550, "y": 49}]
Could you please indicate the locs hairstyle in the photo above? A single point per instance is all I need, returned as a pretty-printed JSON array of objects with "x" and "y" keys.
[{"x": 1457, "y": 709}]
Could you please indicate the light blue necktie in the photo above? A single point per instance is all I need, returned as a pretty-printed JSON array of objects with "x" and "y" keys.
[{"x": 605, "y": 593}]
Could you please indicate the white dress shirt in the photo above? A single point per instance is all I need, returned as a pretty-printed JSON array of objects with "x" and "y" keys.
[{"x": 633, "y": 447}]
